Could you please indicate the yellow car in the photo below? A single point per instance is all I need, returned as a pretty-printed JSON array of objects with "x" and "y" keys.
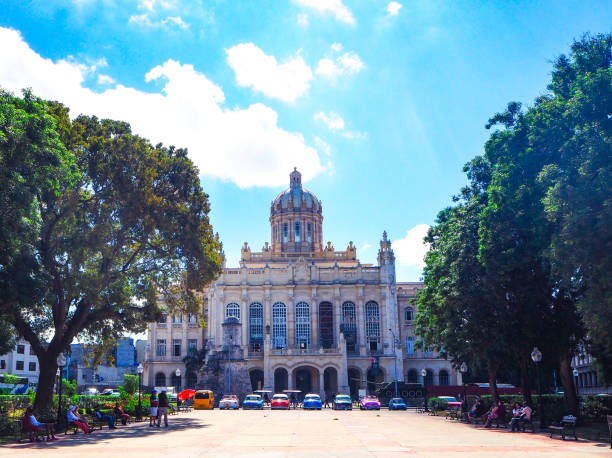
[{"x": 204, "y": 399}]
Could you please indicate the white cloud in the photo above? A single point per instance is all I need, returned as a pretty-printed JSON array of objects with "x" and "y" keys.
[
  {"x": 393, "y": 8},
  {"x": 105, "y": 79},
  {"x": 410, "y": 251},
  {"x": 335, "y": 7},
  {"x": 334, "y": 121},
  {"x": 286, "y": 81},
  {"x": 146, "y": 21},
  {"x": 152, "y": 5},
  {"x": 336, "y": 47},
  {"x": 244, "y": 145},
  {"x": 365, "y": 247},
  {"x": 302, "y": 19},
  {"x": 348, "y": 63}
]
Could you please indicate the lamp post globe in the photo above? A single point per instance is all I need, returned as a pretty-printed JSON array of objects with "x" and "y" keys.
[
  {"x": 576, "y": 373},
  {"x": 536, "y": 356},
  {"x": 177, "y": 372}
]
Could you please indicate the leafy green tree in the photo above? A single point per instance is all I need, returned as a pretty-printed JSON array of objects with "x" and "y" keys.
[
  {"x": 460, "y": 310},
  {"x": 7, "y": 337},
  {"x": 98, "y": 225},
  {"x": 578, "y": 180},
  {"x": 130, "y": 383},
  {"x": 194, "y": 361}
]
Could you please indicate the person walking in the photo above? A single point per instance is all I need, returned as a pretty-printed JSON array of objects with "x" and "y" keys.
[
  {"x": 163, "y": 409},
  {"x": 154, "y": 405}
]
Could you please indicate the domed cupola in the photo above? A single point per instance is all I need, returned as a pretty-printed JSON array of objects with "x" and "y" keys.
[{"x": 296, "y": 218}]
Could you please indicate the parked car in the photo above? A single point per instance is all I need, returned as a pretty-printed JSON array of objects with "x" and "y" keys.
[
  {"x": 252, "y": 401},
  {"x": 280, "y": 401},
  {"x": 204, "y": 399},
  {"x": 312, "y": 401},
  {"x": 229, "y": 401},
  {"x": 369, "y": 402},
  {"x": 170, "y": 392},
  {"x": 397, "y": 404},
  {"x": 451, "y": 401},
  {"x": 342, "y": 402},
  {"x": 91, "y": 391}
]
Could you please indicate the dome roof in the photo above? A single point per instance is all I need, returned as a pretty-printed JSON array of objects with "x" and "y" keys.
[{"x": 295, "y": 198}]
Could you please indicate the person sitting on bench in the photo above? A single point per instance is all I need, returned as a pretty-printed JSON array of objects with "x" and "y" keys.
[
  {"x": 76, "y": 419},
  {"x": 102, "y": 416},
  {"x": 121, "y": 414},
  {"x": 31, "y": 424},
  {"x": 498, "y": 412},
  {"x": 477, "y": 410}
]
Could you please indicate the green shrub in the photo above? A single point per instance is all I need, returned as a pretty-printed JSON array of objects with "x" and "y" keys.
[
  {"x": 130, "y": 383},
  {"x": 437, "y": 403}
]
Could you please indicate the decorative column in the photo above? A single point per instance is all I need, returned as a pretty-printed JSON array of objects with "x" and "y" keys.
[
  {"x": 337, "y": 307},
  {"x": 322, "y": 385},
  {"x": 290, "y": 380},
  {"x": 361, "y": 337},
  {"x": 314, "y": 318}
]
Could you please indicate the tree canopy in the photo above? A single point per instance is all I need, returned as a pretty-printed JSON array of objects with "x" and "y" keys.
[{"x": 98, "y": 226}]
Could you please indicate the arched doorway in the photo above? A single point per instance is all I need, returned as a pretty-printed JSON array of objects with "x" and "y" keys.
[
  {"x": 375, "y": 378},
  {"x": 330, "y": 382},
  {"x": 354, "y": 382},
  {"x": 303, "y": 380},
  {"x": 326, "y": 324},
  {"x": 160, "y": 379},
  {"x": 413, "y": 376},
  {"x": 257, "y": 379},
  {"x": 280, "y": 380}
]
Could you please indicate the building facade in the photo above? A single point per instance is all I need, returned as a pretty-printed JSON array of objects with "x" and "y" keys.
[
  {"x": 22, "y": 362},
  {"x": 316, "y": 319},
  {"x": 586, "y": 380}
]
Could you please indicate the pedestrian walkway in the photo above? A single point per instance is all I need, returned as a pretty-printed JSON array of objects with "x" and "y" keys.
[{"x": 305, "y": 433}]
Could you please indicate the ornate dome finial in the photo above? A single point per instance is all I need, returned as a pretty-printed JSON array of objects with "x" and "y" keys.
[{"x": 295, "y": 178}]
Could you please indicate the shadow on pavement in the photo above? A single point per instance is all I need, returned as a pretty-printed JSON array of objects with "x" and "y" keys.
[{"x": 135, "y": 430}]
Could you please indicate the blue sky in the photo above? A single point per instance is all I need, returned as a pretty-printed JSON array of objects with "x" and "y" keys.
[{"x": 378, "y": 103}]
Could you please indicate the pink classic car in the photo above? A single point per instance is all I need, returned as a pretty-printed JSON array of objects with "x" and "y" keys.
[{"x": 369, "y": 402}]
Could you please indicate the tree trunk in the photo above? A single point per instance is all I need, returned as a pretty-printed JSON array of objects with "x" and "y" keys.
[
  {"x": 46, "y": 380},
  {"x": 493, "y": 383},
  {"x": 567, "y": 380},
  {"x": 525, "y": 380}
]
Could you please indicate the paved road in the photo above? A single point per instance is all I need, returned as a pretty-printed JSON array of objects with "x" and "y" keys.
[{"x": 299, "y": 433}]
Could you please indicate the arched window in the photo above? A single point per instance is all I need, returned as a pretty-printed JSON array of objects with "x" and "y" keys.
[
  {"x": 428, "y": 379},
  {"x": 256, "y": 326},
  {"x": 372, "y": 325},
  {"x": 298, "y": 232},
  {"x": 279, "y": 325},
  {"x": 309, "y": 232},
  {"x": 160, "y": 379},
  {"x": 285, "y": 232},
  {"x": 408, "y": 314},
  {"x": 413, "y": 376},
  {"x": 410, "y": 345},
  {"x": 302, "y": 325},
  {"x": 444, "y": 378},
  {"x": 349, "y": 325},
  {"x": 232, "y": 310}
]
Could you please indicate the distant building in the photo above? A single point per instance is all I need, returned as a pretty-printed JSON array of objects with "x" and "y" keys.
[
  {"x": 21, "y": 362},
  {"x": 141, "y": 348},
  {"x": 108, "y": 374},
  {"x": 587, "y": 381}
]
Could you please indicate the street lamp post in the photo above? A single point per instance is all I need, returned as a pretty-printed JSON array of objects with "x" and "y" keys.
[
  {"x": 536, "y": 356},
  {"x": 140, "y": 370},
  {"x": 177, "y": 372},
  {"x": 424, "y": 374},
  {"x": 463, "y": 368},
  {"x": 61, "y": 362},
  {"x": 395, "y": 362},
  {"x": 575, "y": 373}
]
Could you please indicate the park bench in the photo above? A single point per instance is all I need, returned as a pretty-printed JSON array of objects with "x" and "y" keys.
[
  {"x": 72, "y": 427},
  {"x": 454, "y": 413},
  {"x": 565, "y": 427},
  {"x": 27, "y": 433}
]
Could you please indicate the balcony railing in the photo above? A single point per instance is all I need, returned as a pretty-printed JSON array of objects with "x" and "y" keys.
[{"x": 312, "y": 350}]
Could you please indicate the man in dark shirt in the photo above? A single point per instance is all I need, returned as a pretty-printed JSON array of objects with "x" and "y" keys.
[{"x": 163, "y": 409}]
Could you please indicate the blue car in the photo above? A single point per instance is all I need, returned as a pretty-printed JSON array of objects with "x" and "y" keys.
[
  {"x": 312, "y": 401},
  {"x": 252, "y": 401},
  {"x": 397, "y": 404}
]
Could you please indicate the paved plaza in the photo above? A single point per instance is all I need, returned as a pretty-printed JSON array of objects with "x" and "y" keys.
[{"x": 304, "y": 433}]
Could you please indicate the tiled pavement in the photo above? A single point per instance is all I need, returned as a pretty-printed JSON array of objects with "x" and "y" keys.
[{"x": 299, "y": 433}]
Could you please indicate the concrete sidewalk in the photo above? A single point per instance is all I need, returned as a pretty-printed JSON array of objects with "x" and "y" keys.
[{"x": 305, "y": 433}]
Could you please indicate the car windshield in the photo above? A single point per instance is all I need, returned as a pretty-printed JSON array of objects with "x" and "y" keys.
[
  {"x": 343, "y": 398},
  {"x": 398, "y": 400},
  {"x": 312, "y": 397},
  {"x": 448, "y": 398},
  {"x": 280, "y": 396},
  {"x": 252, "y": 398},
  {"x": 371, "y": 398}
]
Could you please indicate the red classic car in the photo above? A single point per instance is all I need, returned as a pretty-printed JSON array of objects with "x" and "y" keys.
[{"x": 280, "y": 401}]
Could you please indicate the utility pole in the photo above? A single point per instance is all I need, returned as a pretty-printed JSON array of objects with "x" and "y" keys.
[{"x": 394, "y": 362}]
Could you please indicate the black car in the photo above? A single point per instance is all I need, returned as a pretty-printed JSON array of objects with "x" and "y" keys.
[{"x": 343, "y": 402}]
